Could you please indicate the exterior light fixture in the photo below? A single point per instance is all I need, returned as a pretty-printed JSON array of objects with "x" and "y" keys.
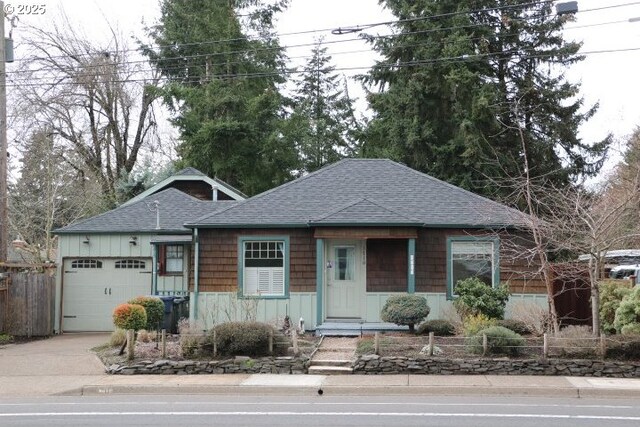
[
  {"x": 86, "y": 240},
  {"x": 133, "y": 241}
]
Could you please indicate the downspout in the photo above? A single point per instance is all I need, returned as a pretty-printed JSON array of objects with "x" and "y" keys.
[{"x": 196, "y": 273}]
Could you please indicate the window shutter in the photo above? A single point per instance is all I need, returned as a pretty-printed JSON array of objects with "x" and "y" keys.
[
  {"x": 278, "y": 281},
  {"x": 250, "y": 281}
]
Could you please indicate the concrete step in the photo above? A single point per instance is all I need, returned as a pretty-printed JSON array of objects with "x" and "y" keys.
[
  {"x": 330, "y": 370},
  {"x": 331, "y": 363}
]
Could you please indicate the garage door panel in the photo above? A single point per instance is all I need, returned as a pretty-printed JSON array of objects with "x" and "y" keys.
[{"x": 90, "y": 294}]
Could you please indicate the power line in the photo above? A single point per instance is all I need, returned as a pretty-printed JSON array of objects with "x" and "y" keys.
[{"x": 464, "y": 58}]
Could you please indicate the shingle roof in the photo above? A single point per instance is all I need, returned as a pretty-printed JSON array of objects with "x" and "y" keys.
[
  {"x": 364, "y": 191},
  {"x": 189, "y": 171},
  {"x": 176, "y": 208}
]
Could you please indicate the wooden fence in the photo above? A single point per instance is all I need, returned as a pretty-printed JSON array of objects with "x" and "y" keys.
[{"x": 28, "y": 306}]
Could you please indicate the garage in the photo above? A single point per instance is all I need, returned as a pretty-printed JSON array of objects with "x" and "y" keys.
[{"x": 93, "y": 287}]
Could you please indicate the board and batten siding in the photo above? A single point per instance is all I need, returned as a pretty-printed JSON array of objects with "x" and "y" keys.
[{"x": 219, "y": 258}]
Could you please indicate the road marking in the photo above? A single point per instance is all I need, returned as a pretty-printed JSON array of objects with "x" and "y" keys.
[
  {"x": 501, "y": 405},
  {"x": 337, "y": 414}
]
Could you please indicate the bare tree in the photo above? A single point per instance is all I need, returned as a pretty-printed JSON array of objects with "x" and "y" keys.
[{"x": 97, "y": 100}]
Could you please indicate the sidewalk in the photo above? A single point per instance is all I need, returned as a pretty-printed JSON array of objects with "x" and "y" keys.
[{"x": 425, "y": 385}]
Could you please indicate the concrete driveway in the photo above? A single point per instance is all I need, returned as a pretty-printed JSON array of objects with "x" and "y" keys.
[{"x": 51, "y": 366}]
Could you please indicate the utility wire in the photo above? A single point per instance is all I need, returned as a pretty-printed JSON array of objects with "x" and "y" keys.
[{"x": 463, "y": 58}]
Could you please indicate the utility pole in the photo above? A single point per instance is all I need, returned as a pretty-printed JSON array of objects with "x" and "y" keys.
[{"x": 4, "y": 223}]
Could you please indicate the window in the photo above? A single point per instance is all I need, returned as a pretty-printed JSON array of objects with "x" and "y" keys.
[
  {"x": 345, "y": 260},
  {"x": 171, "y": 259},
  {"x": 130, "y": 264},
  {"x": 263, "y": 266},
  {"x": 472, "y": 257},
  {"x": 86, "y": 263}
]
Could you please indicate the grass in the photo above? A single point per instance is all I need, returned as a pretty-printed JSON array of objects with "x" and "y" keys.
[{"x": 5, "y": 339}]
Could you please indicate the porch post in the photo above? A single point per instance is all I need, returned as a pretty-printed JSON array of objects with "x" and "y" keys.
[
  {"x": 154, "y": 269},
  {"x": 319, "y": 279},
  {"x": 411, "y": 266}
]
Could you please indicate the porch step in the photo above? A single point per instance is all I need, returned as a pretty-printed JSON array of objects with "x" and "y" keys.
[
  {"x": 325, "y": 363},
  {"x": 330, "y": 370}
]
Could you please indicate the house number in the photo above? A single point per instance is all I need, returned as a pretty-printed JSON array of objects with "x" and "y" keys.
[{"x": 412, "y": 265}]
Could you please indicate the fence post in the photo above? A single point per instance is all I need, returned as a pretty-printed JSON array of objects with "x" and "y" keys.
[
  {"x": 376, "y": 343},
  {"x": 431, "y": 335},
  {"x": 215, "y": 343},
  {"x": 270, "y": 341},
  {"x": 485, "y": 344},
  {"x": 130, "y": 344},
  {"x": 545, "y": 346},
  {"x": 294, "y": 341},
  {"x": 164, "y": 343},
  {"x": 603, "y": 346}
]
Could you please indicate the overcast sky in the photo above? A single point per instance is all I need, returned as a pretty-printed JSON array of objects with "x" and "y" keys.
[{"x": 608, "y": 78}]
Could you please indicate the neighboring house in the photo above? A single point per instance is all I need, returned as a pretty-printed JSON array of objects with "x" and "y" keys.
[
  {"x": 139, "y": 248},
  {"x": 332, "y": 246}
]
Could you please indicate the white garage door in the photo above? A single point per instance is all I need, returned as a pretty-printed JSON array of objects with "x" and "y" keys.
[{"x": 93, "y": 287}]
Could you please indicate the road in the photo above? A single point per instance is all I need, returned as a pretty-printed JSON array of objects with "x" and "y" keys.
[{"x": 203, "y": 410}]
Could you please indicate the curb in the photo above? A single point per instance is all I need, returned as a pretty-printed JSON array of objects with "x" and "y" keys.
[{"x": 161, "y": 389}]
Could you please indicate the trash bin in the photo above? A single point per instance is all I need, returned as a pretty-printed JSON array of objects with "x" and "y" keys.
[
  {"x": 167, "y": 320},
  {"x": 180, "y": 311}
]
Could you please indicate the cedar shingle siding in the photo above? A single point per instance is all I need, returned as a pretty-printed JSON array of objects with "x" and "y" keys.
[{"x": 386, "y": 261}]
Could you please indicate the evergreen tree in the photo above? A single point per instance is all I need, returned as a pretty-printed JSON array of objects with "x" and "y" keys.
[
  {"x": 323, "y": 123},
  {"x": 461, "y": 79},
  {"x": 225, "y": 67}
]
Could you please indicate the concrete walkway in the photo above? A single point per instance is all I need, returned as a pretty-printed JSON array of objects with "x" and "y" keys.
[{"x": 64, "y": 365}]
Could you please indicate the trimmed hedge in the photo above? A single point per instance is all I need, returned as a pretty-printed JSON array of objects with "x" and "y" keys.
[
  {"x": 154, "y": 307},
  {"x": 242, "y": 338},
  {"x": 439, "y": 327},
  {"x": 517, "y": 326},
  {"x": 500, "y": 340},
  {"x": 476, "y": 297},
  {"x": 130, "y": 316},
  {"x": 405, "y": 310}
]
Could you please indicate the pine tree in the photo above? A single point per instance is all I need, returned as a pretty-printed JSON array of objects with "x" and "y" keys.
[
  {"x": 225, "y": 68},
  {"x": 323, "y": 122},
  {"x": 461, "y": 79}
]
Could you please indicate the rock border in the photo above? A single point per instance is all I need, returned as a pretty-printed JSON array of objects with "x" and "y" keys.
[
  {"x": 378, "y": 365},
  {"x": 236, "y": 365}
]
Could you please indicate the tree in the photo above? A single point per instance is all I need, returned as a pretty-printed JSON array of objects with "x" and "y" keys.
[
  {"x": 323, "y": 122},
  {"x": 95, "y": 99},
  {"x": 447, "y": 83},
  {"x": 49, "y": 194},
  {"x": 224, "y": 67}
]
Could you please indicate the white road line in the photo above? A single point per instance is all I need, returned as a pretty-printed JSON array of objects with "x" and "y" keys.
[
  {"x": 337, "y": 414},
  {"x": 480, "y": 405}
]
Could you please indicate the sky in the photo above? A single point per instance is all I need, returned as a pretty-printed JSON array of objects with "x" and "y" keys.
[{"x": 607, "y": 78}]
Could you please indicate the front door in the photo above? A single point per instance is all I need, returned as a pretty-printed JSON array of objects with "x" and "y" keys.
[{"x": 345, "y": 273}]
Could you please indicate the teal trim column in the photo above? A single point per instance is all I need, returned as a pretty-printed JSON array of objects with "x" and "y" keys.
[
  {"x": 154, "y": 269},
  {"x": 196, "y": 273},
  {"x": 411, "y": 266},
  {"x": 319, "y": 280}
]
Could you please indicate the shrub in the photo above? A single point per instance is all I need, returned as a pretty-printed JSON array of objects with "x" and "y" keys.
[
  {"x": 154, "y": 308},
  {"x": 242, "y": 338},
  {"x": 473, "y": 324},
  {"x": 118, "y": 337},
  {"x": 517, "y": 326},
  {"x": 629, "y": 310},
  {"x": 129, "y": 316},
  {"x": 624, "y": 348},
  {"x": 5, "y": 339},
  {"x": 611, "y": 295},
  {"x": 499, "y": 341},
  {"x": 631, "y": 329},
  {"x": 575, "y": 341},
  {"x": 440, "y": 328},
  {"x": 536, "y": 319},
  {"x": 192, "y": 338},
  {"x": 476, "y": 297},
  {"x": 405, "y": 310}
]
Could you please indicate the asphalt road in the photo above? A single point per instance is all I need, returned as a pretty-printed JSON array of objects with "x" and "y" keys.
[{"x": 201, "y": 410}]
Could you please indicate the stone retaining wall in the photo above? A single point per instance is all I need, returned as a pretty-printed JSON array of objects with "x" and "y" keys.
[
  {"x": 237, "y": 365},
  {"x": 372, "y": 364}
]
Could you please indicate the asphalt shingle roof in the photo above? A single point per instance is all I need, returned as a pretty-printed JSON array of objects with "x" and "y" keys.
[
  {"x": 176, "y": 208},
  {"x": 364, "y": 191},
  {"x": 189, "y": 171}
]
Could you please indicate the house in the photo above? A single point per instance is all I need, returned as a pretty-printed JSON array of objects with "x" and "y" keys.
[
  {"x": 139, "y": 248},
  {"x": 332, "y": 246}
]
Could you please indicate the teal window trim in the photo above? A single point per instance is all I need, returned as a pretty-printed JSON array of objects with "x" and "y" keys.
[
  {"x": 286, "y": 267},
  {"x": 411, "y": 266},
  {"x": 319, "y": 280},
  {"x": 496, "y": 259}
]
